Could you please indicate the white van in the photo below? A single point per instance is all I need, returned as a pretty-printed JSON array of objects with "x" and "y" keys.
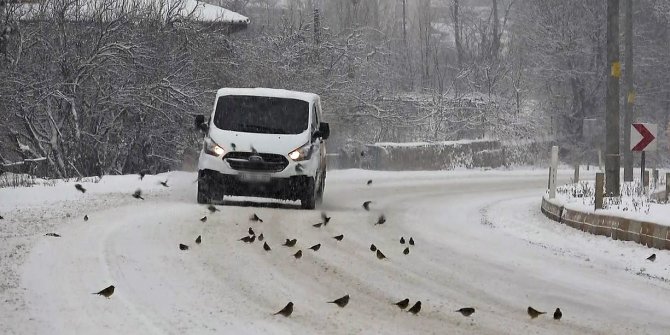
[{"x": 264, "y": 143}]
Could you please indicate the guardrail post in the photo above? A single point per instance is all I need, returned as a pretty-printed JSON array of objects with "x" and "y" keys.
[
  {"x": 552, "y": 174},
  {"x": 645, "y": 183},
  {"x": 576, "y": 178},
  {"x": 654, "y": 176},
  {"x": 600, "y": 189},
  {"x": 667, "y": 187}
]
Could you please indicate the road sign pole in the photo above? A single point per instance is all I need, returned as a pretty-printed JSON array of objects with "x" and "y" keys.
[
  {"x": 642, "y": 170},
  {"x": 600, "y": 183}
]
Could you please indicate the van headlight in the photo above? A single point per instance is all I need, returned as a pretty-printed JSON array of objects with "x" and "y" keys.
[
  {"x": 212, "y": 148},
  {"x": 302, "y": 153}
]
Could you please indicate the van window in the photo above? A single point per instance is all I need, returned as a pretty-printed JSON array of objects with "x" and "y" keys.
[{"x": 266, "y": 115}]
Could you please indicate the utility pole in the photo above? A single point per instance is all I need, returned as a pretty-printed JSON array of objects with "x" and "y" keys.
[
  {"x": 629, "y": 89},
  {"x": 404, "y": 22},
  {"x": 612, "y": 159}
]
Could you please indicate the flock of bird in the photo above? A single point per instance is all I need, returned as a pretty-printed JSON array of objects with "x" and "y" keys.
[{"x": 341, "y": 302}]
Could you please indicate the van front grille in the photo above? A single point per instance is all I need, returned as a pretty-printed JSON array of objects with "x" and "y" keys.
[{"x": 257, "y": 162}]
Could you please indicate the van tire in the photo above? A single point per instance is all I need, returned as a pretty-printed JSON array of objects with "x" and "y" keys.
[{"x": 308, "y": 200}]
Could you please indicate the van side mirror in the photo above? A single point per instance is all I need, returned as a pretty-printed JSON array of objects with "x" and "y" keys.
[
  {"x": 200, "y": 123},
  {"x": 324, "y": 130}
]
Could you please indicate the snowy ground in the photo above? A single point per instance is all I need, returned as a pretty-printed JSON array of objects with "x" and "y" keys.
[
  {"x": 632, "y": 204},
  {"x": 480, "y": 241}
]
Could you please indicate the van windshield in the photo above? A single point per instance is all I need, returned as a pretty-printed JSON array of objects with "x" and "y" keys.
[{"x": 266, "y": 115}]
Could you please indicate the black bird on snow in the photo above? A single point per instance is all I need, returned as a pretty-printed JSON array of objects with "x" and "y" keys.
[
  {"x": 380, "y": 255},
  {"x": 652, "y": 257},
  {"x": 213, "y": 209},
  {"x": 317, "y": 225},
  {"x": 366, "y": 205},
  {"x": 381, "y": 220},
  {"x": 248, "y": 239},
  {"x": 106, "y": 292},
  {"x": 299, "y": 168},
  {"x": 411, "y": 241},
  {"x": 287, "y": 310},
  {"x": 466, "y": 311},
  {"x": 370, "y": 182},
  {"x": 373, "y": 247},
  {"x": 203, "y": 219},
  {"x": 138, "y": 194},
  {"x": 251, "y": 231},
  {"x": 198, "y": 239},
  {"x": 80, "y": 188},
  {"x": 339, "y": 237},
  {"x": 298, "y": 254},
  {"x": 534, "y": 312},
  {"x": 266, "y": 247},
  {"x": 340, "y": 302},
  {"x": 316, "y": 247},
  {"x": 402, "y": 240},
  {"x": 406, "y": 251},
  {"x": 255, "y": 218},
  {"x": 1, "y": 218},
  {"x": 183, "y": 246},
  {"x": 164, "y": 183},
  {"x": 52, "y": 234},
  {"x": 261, "y": 237},
  {"x": 85, "y": 217},
  {"x": 416, "y": 308},
  {"x": 325, "y": 218},
  {"x": 558, "y": 314},
  {"x": 290, "y": 243},
  {"x": 402, "y": 304}
]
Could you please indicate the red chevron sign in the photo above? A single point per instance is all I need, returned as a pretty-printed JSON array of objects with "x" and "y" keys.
[{"x": 643, "y": 137}]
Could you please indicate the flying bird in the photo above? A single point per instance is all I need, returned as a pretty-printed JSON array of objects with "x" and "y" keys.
[
  {"x": 362, "y": 153},
  {"x": 380, "y": 255},
  {"x": 366, "y": 205},
  {"x": 80, "y": 188},
  {"x": 138, "y": 194},
  {"x": 85, "y": 217},
  {"x": 339, "y": 237},
  {"x": 253, "y": 150},
  {"x": 325, "y": 218},
  {"x": 416, "y": 308},
  {"x": 164, "y": 183},
  {"x": 406, "y": 251},
  {"x": 261, "y": 237},
  {"x": 255, "y": 218},
  {"x": 466, "y": 311},
  {"x": 558, "y": 314},
  {"x": 651, "y": 258},
  {"x": 198, "y": 240},
  {"x": 143, "y": 173},
  {"x": 183, "y": 246},
  {"x": 266, "y": 247},
  {"x": 298, "y": 254},
  {"x": 299, "y": 168},
  {"x": 203, "y": 219},
  {"x": 316, "y": 247},
  {"x": 402, "y": 304},
  {"x": 287, "y": 310},
  {"x": 534, "y": 313},
  {"x": 1, "y": 218},
  {"x": 233, "y": 146},
  {"x": 402, "y": 240},
  {"x": 340, "y": 302},
  {"x": 370, "y": 182},
  {"x": 106, "y": 292},
  {"x": 212, "y": 209},
  {"x": 52, "y": 234},
  {"x": 317, "y": 225},
  {"x": 411, "y": 241},
  {"x": 290, "y": 243},
  {"x": 373, "y": 247},
  {"x": 381, "y": 220},
  {"x": 251, "y": 231}
]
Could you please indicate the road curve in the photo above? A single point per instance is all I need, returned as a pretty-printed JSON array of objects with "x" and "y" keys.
[{"x": 480, "y": 242}]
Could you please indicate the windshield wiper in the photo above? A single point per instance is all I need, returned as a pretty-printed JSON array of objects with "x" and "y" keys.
[{"x": 261, "y": 129}]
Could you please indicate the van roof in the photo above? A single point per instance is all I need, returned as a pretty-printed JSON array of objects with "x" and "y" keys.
[{"x": 268, "y": 92}]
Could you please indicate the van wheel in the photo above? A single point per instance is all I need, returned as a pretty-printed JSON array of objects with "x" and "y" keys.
[{"x": 308, "y": 200}]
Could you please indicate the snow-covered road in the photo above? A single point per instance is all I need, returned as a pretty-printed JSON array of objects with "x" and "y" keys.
[{"x": 480, "y": 242}]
